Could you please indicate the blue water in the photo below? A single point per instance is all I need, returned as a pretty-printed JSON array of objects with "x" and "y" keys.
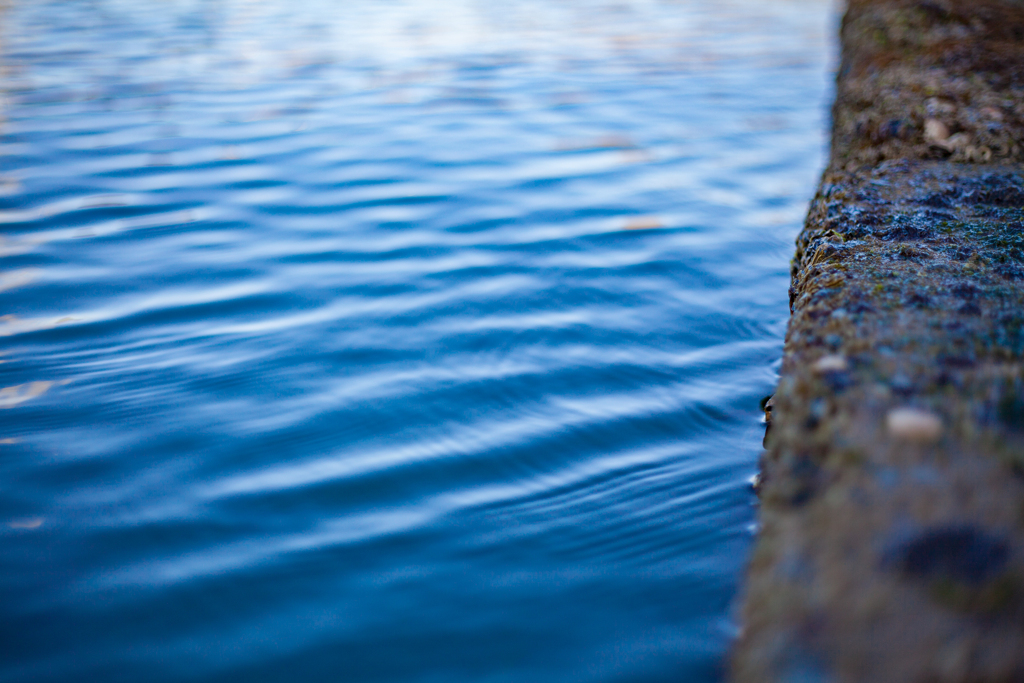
[{"x": 408, "y": 341}]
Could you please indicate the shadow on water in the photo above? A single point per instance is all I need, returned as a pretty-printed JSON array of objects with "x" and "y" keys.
[{"x": 406, "y": 342}]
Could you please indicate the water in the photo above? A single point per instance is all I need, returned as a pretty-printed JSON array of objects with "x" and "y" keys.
[{"x": 414, "y": 341}]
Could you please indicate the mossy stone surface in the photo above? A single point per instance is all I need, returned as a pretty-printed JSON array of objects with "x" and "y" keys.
[{"x": 892, "y": 486}]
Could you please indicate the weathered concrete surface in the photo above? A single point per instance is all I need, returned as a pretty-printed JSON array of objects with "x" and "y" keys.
[{"x": 892, "y": 503}]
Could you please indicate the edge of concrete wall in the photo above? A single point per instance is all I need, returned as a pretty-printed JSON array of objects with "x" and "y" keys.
[{"x": 892, "y": 495}]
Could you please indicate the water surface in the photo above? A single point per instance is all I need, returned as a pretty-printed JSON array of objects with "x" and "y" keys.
[{"x": 409, "y": 341}]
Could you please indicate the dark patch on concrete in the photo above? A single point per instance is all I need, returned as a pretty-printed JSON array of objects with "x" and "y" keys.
[
  {"x": 1011, "y": 409},
  {"x": 961, "y": 553}
]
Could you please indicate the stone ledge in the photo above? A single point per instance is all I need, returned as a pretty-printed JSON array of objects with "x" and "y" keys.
[{"x": 892, "y": 495}]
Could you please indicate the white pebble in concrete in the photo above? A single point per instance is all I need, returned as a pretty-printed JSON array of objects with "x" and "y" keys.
[
  {"x": 913, "y": 425},
  {"x": 834, "y": 363},
  {"x": 935, "y": 132}
]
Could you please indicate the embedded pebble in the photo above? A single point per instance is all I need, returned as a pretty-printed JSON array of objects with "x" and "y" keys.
[
  {"x": 935, "y": 132},
  {"x": 957, "y": 141},
  {"x": 831, "y": 363},
  {"x": 914, "y": 425}
]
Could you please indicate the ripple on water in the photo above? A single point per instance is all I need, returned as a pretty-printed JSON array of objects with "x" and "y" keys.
[{"x": 416, "y": 343}]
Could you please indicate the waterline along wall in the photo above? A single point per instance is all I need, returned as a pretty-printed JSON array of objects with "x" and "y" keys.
[{"x": 892, "y": 499}]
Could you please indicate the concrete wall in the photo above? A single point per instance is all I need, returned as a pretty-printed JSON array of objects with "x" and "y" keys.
[{"x": 892, "y": 497}]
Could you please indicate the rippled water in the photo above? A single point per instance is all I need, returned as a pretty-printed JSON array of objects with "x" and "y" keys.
[{"x": 407, "y": 341}]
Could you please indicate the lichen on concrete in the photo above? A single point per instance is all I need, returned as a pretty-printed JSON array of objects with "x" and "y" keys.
[{"x": 892, "y": 487}]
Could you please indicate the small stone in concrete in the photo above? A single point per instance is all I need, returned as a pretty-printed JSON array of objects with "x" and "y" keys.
[
  {"x": 831, "y": 363},
  {"x": 913, "y": 425},
  {"x": 936, "y": 132}
]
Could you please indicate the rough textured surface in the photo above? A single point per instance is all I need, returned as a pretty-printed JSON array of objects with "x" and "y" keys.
[{"x": 892, "y": 516}]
